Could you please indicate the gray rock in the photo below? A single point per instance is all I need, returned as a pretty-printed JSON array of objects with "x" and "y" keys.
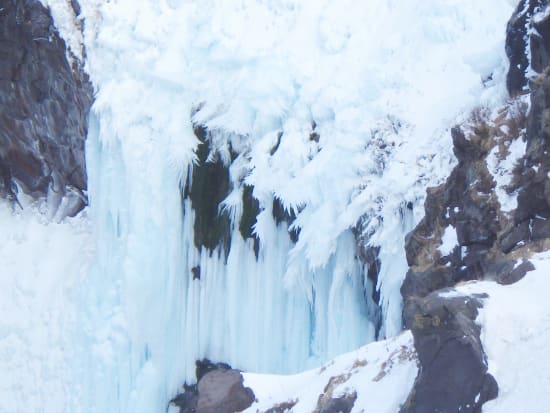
[
  {"x": 222, "y": 391},
  {"x": 453, "y": 377},
  {"x": 219, "y": 389},
  {"x": 45, "y": 104}
]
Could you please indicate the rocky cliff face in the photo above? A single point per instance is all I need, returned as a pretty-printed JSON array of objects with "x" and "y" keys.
[
  {"x": 483, "y": 223},
  {"x": 45, "y": 100}
]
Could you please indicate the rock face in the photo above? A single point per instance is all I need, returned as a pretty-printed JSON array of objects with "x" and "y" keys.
[
  {"x": 468, "y": 234},
  {"x": 45, "y": 102},
  {"x": 219, "y": 389},
  {"x": 454, "y": 376},
  {"x": 465, "y": 213}
]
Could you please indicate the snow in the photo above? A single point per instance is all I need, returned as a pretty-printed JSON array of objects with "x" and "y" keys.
[
  {"x": 515, "y": 336},
  {"x": 381, "y": 374},
  {"x": 43, "y": 266},
  {"x": 449, "y": 241}
]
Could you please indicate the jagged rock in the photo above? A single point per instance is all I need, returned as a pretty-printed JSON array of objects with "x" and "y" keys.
[
  {"x": 45, "y": 104},
  {"x": 454, "y": 374},
  {"x": 533, "y": 184},
  {"x": 539, "y": 37},
  {"x": 466, "y": 204},
  {"x": 514, "y": 237},
  {"x": 519, "y": 37}
]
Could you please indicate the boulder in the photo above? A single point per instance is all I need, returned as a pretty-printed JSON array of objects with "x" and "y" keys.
[
  {"x": 219, "y": 389},
  {"x": 222, "y": 391}
]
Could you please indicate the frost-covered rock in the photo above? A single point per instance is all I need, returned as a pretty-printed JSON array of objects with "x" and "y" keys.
[
  {"x": 477, "y": 203},
  {"x": 45, "y": 100}
]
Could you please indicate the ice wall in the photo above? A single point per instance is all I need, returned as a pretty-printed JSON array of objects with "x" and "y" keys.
[{"x": 328, "y": 108}]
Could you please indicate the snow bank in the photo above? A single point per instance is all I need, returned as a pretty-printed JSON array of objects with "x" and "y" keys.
[
  {"x": 381, "y": 374},
  {"x": 43, "y": 265}
]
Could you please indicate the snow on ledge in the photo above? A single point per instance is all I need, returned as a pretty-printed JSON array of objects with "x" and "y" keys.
[{"x": 381, "y": 374}]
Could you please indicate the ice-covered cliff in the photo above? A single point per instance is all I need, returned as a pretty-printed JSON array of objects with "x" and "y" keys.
[{"x": 253, "y": 168}]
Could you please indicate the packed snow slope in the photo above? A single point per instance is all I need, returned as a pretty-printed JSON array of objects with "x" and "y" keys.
[
  {"x": 325, "y": 107},
  {"x": 43, "y": 267}
]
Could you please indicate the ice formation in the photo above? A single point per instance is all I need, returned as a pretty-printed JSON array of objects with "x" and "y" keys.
[{"x": 329, "y": 109}]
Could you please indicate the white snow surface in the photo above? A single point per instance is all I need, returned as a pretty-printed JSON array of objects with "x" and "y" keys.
[
  {"x": 381, "y": 82},
  {"x": 515, "y": 334},
  {"x": 449, "y": 241},
  {"x": 43, "y": 266},
  {"x": 381, "y": 374}
]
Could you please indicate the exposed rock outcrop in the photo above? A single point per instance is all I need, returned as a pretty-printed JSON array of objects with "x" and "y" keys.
[
  {"x": 45, "y": 102},
  {"x": 465, "y": 234},
  {"x": 527, "y": 36},
  {"x": 219, "y": 389},
  {"x": 454, "y": 374}
]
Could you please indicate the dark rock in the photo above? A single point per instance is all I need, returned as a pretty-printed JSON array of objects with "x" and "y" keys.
[
  {"x": 187, "y": 401},
  {"x": 453, "y": 376},
  {"x": 206, "y": 366},
  {"x": 540, "y": 39},
  {"x": 517, "y": 42},
  {"x": 76, "y": 7},
  {"x": 210, "y": 185},
  {"x": 540, "y": 228},
  {"x": 222, "y": 391},
  {"x": 421, "y": 283},
  {"x": 45, "y": 104},
  {"x": 508, "y": 272},
  {"x": 515, "y": 236},
  {"x": 465, "y": 150},
  {"x": 219, "y": 389},
  {"x": 533, "y": 184},
  {"x": 465, "y": 203}
]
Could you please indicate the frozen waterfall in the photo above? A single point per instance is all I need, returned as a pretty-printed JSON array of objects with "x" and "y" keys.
[{"x": 317, "y": 105}]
